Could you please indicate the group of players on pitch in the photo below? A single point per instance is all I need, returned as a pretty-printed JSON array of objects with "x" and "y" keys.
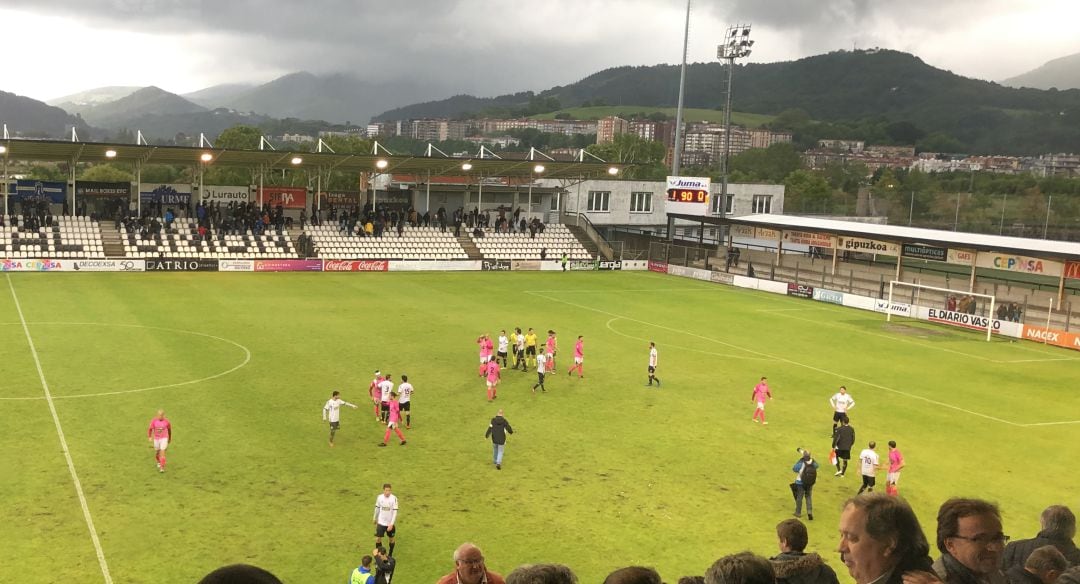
[
  {"x": 389, "y": 404},
  {"x": 523, "y": 355}
]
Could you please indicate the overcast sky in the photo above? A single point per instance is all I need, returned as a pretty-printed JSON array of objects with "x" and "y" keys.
[{"x": 489, "y": 47}]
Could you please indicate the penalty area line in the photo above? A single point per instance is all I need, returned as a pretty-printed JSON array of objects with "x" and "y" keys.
[{"x": 63, "y": 441}]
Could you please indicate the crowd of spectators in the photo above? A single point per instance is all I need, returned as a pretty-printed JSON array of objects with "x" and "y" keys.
[{"x": 881, "y": 541}]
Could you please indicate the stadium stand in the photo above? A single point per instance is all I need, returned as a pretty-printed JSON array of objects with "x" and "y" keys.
[
  {"x": 416, "y": 243},
  {"x": 556, "y": 239},
  {"x": 184, "y": 241},
  {"x": 68, "y": 237}
]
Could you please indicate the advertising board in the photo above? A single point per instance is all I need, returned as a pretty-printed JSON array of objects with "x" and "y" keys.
[
  {"x": 226, "y": 194},
  {"x": 236, "y": 265},
  {"x": 525, "y": 264},
  {"x": 830, "y": 296},
  {"x": 660, "y": 267},
  {"x": 355, "y": 266},
  {"x": 809, "y": 238},
  {"x": 864, "y": 245},
  {"x": 496, "y": 265},
  {"x": 1019, "y": 263},
  {"x": 181, "y": 265},
  {"x": 106, "y": 265},
  {"x": 800, "y": 290},
  {"x": 287, "y": 197}
]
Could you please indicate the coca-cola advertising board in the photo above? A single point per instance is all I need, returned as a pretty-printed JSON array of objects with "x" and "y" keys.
[
  {"x": 288, "y": 265},
  {"x": 287, "y": 197},
  {"x": 658, "y": 267},
  {"x": 355, "y": 265}
]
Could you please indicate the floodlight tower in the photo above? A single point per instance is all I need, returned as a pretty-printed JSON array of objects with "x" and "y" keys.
[{"x": 736, "y": 45}]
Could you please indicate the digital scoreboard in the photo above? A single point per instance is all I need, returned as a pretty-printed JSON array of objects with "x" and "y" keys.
[{"x": 688, "y": 195}]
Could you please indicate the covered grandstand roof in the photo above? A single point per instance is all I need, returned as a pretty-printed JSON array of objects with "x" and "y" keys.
[
  {"x": 62, "y": 151},
  {"x": 978, "y": 241}
]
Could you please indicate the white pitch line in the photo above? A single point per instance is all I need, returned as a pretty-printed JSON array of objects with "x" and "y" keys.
[
  {"x": 785, "y": 360},
  {"x": 63, "y": 441},
  {"x": 247, "y": 359}
]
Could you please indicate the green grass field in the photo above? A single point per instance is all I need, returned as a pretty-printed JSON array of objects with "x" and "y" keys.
[
  {"x": 601, "y": 473},
  {"x": 690, "y": 114}
]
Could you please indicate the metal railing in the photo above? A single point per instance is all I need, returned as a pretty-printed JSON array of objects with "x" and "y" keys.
[{"x": 582, "y": 221}]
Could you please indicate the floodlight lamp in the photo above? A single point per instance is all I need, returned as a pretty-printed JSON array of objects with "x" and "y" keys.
[
  {"x": 296, "y": 160},
  {"x": 381, "y": 164},
  {"x": 110, "y": 154},
  {"x": 206, "y": 157},
  {"x": 466, "y": 167},
  {"x": 538, "y": 168},
  {"x": 613, "y": 171}
]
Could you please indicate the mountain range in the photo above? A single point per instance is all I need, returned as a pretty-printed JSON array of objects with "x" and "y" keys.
[
  {"x": 843, "y": 87},
  {"x": 1062, "y": 73}
]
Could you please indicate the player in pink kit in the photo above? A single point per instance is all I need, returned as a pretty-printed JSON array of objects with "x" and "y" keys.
[
  {"x": 761, "y": 391},
  {"x": 579, "y": 358},
  {"x": 551, "y": 349},
  {"x": 494, "y": 374},
  {"x": 160, "y": 433},
  {"x": 393, "y": 421},
  {"x": 486, "y": 346},
  {"x": 376, "y": 393}
]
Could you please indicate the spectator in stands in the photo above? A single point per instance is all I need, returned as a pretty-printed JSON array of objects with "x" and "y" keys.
[
  {"x": 793, "y": 565},
  {"x": 1043, "y": 566},
  {"x": 971, "y": 543},
  {"x": 881, "y": 541},
  {"x": 469, "y": 568},
  {"x": 740, "y": 568},
  {"x": 401, "y": 226},
  {"x": 633, "y": 575},
  {"x": 170, "y": 217},
  {"x": 541, "y": 574},
  {"x": 240, "y": 574},
  {"x": 1057, "y": 527},
  {"x": 532, "y": 230},
  {"x": 477, "y": 232},
  {"x": 950, "y": 303},
  {"x": 521, "y": 225}
]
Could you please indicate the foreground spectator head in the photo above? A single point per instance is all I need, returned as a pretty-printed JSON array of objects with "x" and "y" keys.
[
  {"x": 542, "y": 574},
  {"x": 740, "y": 568},
  {"x": 469, "y": 567},
  {"x": 240, "y": 574},
  {"x": 1070, "y": 576},
  {"x": 634, "y": 575},
  {"x": 1046, "y": 563},
  {"x": 969, "y": 530},
  {"x": 692, "y": 580},
  {"x": 1058, "y": 522},
  {"x": 880, "y": 534},
  {"x": 792, "y": 536}
]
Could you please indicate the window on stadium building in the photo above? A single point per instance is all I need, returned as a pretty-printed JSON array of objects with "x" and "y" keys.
[
  {"x": 762, "y": 204},
  {"x": 641, "y": 202},
  {"x": 598, "y": 200}
]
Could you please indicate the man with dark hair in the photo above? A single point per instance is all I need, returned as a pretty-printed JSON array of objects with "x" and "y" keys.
[
  {"x": 240, "y": 574},
  {"x": 740, "y": 568},
  {"x": 542, "y": 574},
  {"x": 793, "y": 565},
  {"x": 843, "y": 440},
  {"x": 384, "y": 566},
  {"x": 362, "y": 573},
  {"x": 882, "y": 542},
  {"x": 971, "y": 543},
  {"x": 633, "y": 575},
  {"x": 1043, "y": 566},
  {"x": 1057, "y": 528}
]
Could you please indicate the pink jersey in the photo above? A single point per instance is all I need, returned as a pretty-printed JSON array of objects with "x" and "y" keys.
[
  {"x": 374, "y": 390},
  {"x": 579, "y": 350},
  {"x": 492, "y": 371},
  {"x": 485, "y": 347},
  {"x": 551, "y": 344},
  {"x": 159, "y": 429},
  {"x": 395, "y": 412},
  {"x": 895, "y": 460},
  {"x": 761, "y": 392}
]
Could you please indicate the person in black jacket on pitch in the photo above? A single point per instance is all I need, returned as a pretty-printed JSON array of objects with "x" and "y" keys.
[
  {"x": 497, "y": 431},
  {"x": 384, "y": 565},
  {"x": 843, "y": 440}
]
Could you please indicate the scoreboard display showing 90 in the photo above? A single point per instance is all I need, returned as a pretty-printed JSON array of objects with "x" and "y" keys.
[{"x": 687, "y": 195}]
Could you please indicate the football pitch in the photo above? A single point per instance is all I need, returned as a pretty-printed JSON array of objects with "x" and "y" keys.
[{"x": 601, "y": 472}]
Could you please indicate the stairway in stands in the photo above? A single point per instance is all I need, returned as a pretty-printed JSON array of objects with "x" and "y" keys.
[
  {"x": 587, "y": 243},
  {"x": 111, "y": 243},
  {"x": 470, "y": 248}
]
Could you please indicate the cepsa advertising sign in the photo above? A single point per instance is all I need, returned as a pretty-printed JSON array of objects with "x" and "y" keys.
[{"x": 1017, "y": 263}]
